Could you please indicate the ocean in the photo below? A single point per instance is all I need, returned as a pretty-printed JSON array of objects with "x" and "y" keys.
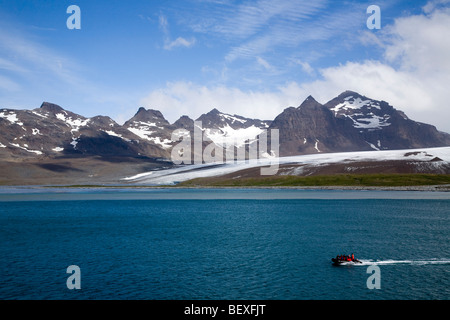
[{"x": 216, "y": 244}]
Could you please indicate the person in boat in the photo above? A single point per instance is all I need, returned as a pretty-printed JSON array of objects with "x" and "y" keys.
[{"x": 347, "y": 258}]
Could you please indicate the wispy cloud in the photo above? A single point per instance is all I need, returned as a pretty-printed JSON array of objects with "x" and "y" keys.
[
  {"x": 435, "y": 4},
  {"x": 178, "y": 42},
  {"x": 163, "y": 24},
  {"x": 306, "y": 67},
  {"x": 264, "y": 63},
  {"x": 31, "y": 59},
  {"x": 242, "y": 21},
  {"x": 254, "y": 28},
  {"x": 8, "y": 85},
  {"x": 8, "y": 65}
]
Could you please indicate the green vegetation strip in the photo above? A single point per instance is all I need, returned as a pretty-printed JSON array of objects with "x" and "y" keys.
[{"x": 366, "y": 180}]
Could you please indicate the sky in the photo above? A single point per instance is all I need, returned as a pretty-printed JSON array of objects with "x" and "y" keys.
[{"x": 252, "y": 58}]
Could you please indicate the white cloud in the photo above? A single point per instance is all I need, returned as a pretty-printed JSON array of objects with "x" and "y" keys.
[
  {"x": 179, "y": 42},
  {"x": 419, "y": 43},
  {"x": 163, "y": 23},
  {"x": 264, "y": 63},
  {"x": 187, "y": 98},
  {"x": 373, "y": 79},
  {"x": 306, "y": 67},
  {"x": 434, "y": 4}
]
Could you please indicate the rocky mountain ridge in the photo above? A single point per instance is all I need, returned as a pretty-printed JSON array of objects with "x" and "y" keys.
[{"x": 349, "y": 122}]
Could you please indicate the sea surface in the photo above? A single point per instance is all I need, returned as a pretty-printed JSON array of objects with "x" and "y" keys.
[{"x": 251, "y": 244}]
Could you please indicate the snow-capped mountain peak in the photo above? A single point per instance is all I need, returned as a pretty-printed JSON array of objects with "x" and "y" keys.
[
  {"x": 225, "y": 129},
  {"x": 151, "y": 125},
  {"x": 366, "y": 114}
]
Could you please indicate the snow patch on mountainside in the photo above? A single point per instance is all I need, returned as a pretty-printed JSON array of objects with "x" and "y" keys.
[
  {"x": 40, "y": 114},
  {"x": 372, "y": 146},
  {"x": 165, "y": 143},
  {"x": 226, "y": 135},
  {"x": 374, "y": 122},
  {"x": 232, "y": 118},
  {"x": 11, "y": 117},
  {"x": 354, "y": 104},
  {"x": 74, "y": 142},
  {"x": 114, "y": 134},
  {"x": 143, "y": 131},
  {"x": 74, "y": 123},
  {"x": 36, "y": 131},
  {"x": 143, "y": 124},
  {"x": 25, "y": 147},
  {"x": 316, "y": 145}
]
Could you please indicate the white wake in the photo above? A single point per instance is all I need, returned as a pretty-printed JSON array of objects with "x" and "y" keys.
[{"x": 409, "y": 262}]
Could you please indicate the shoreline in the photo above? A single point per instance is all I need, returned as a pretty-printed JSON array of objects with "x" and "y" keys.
[
  {"x": 426, "y": 188},
  {"x": 261, "y": 193}
]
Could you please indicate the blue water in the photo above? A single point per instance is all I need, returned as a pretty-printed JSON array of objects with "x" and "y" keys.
[{"x": 223, "y": 247}]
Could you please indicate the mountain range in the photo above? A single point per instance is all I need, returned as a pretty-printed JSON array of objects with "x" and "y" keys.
[
  {"x": 58, "y": 140},
  {"x": 349, "y": 122}
]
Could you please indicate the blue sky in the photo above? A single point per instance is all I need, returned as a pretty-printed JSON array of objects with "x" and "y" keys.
[{"x": 253, "y": 58}]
